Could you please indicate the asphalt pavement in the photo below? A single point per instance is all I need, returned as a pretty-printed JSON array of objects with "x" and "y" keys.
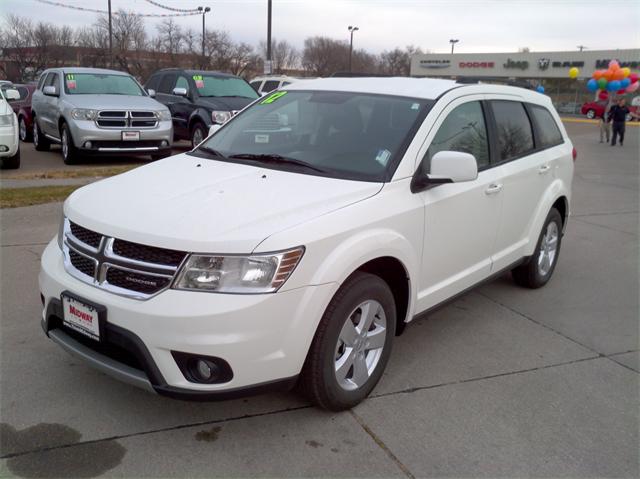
[{"x": 504, "y": 382}]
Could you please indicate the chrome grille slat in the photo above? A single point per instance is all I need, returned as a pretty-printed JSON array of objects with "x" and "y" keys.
[
  {"x": 140, "y": 119},
  {"x": 121, "y": 273}
]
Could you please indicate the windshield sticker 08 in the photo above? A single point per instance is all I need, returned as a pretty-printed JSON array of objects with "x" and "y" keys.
[
  {"x": 383, "y": 157},
  {"x": 199, "y": 79},
  {"x": 262, "y": 138},
  {"x": 273, "y": 97},
  {"x": 71, "y": 81}
]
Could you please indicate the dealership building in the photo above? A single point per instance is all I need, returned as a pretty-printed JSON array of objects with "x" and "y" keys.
[{"x": 521, "y": 65}]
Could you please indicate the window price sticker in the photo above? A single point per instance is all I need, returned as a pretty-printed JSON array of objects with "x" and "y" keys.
[
  {"x": 71, "y": 82},
  {"x": 199, "y": 79}
]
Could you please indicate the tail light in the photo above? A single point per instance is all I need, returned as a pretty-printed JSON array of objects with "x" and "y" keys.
[{"x": 574, "y": 153}]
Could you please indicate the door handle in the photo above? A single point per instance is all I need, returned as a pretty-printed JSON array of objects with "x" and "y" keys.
[
  {"x": 493, "y": 189},
  {"x": 544, "y": 169}
]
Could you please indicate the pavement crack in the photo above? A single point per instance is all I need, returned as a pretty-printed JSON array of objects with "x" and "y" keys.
[
  {"x": 382, "y": 445},
  {"x": 603, "y": 214},
  {"x": 580, "y": 220},
  {"x": 24, "y": 244}
]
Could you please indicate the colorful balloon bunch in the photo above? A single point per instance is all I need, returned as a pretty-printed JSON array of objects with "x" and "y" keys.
[{"x": 614, "y": 79}]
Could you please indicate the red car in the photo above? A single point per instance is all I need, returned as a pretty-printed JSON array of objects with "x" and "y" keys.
[
  {"x": 22, "y": 109},
  {"x": 595, "y": 109}
]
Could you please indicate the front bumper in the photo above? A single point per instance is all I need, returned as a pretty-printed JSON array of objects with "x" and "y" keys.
[
  {"x": 9, "y": 139},
  {"x": 264, "y": 338},
  {"x": 109, "y": 140}
]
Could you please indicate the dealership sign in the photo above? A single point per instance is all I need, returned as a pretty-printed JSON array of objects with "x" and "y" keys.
[{"x": 435, "y": 63}]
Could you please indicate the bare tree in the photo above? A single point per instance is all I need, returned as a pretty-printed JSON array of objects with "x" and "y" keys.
[
  {"x": 170, "y": 36},
  {"x": 284, "y": 56},
  {"x": 17, "y": 40},
  {"x": 129, "y": 41},
  {"x": 323, "y": 56},
  {"x": 398, "y": 61}
]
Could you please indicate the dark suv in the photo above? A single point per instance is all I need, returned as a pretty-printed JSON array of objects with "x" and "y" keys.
[{"x": 197, "y": 99}]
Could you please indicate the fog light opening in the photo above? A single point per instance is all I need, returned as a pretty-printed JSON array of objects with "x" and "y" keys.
[
  {"x": 3, "y": 148},
  {"x": 203, "y": 369},
  {"x": 164, "y": 143},
  {"x": 88, "y": 144}
]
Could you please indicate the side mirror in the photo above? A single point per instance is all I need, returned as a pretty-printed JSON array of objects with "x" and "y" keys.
[
  {"x": 11, "y": 94},
  {"x": 447, "y": 167},
  {"x": 213, "y": 128},
  {"x": 50, "y": 90},
  {"x": 151, "y": 92},
  {"x": 178, "y": 91}
]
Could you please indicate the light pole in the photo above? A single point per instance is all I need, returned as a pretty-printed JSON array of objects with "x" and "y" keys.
[
  {"x": 582, "y": 47},
  {"x": 351, "y": 30},
  {"x": 267, "y": 68},
  {"x": 110, "y": 37},
  {"x": 204, "y": 11},
  {"x": 453, "y": 41}
]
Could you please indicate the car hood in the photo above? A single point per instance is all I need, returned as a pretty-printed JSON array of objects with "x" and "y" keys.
[
  {"x": 114, "y": 102},
  {"x": 199, "y": 205},
  {"x": 225, "y": 103}
]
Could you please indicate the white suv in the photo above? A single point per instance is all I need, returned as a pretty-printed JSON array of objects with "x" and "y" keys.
[{"x": 293, "y": 244}]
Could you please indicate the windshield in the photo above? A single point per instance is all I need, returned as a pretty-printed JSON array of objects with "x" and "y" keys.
[
  {"x": 101, "y": 84},
  {"x": 209, "y": 85},
  {"x": 343, "y": 135}
]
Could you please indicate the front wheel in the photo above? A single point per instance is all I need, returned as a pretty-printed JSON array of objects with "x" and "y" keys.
[
  {"x": 352, "y": 344},
  {"x": 69, "y": 150},
  {"x": 198, "y": 134},
  {"x": 537, "y": 271},
  {"x": 11, "y": 163}
]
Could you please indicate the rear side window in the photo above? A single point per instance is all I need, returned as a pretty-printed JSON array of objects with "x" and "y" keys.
[
  {"x": 463, "y": 130},
  {"x": 515, "y": 137},
  {"x": 547, "y": 131},
  {"x": 270, "y": 85},
  {"x": 167, "y": 82}
]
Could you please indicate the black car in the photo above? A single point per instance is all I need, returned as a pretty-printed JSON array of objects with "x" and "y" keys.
[{"x": 197, "y": 99}]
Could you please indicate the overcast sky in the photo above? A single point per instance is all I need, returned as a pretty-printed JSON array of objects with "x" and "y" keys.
[{"x": 480, "y": 25}]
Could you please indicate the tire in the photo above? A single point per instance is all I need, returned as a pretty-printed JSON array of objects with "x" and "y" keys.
[
  {"x": 70, "y": 153},
  {"x": 40, "y": 142},
  {"x": 12, "y": 163},
  {"x": 24, "y": 132},
  {"x": 198, "y": 134},
  {"x": 537, "y": 271},
  {"x": 323, "y": 381}
]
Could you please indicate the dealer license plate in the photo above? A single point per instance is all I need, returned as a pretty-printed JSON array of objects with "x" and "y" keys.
[
  {"x": 81, "y": 317},
  {"x": 130, "y": 136}
]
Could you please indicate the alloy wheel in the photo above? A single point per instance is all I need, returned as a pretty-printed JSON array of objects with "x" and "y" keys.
[
  {"x": 548, "y": 249},
  {"x": 22, "y": 126},
  {"x": 65, "y": 143},
  {"x": 360, "y": 345},
  {"x": 197, "y": 136}
]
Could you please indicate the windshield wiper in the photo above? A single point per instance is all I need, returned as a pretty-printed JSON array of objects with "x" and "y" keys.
[
  {"x": 211, "y": 151},
  {"x": 275, "y": 158}
]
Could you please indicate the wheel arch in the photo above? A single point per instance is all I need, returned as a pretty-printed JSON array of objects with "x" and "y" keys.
[{"x": 556, "y": 196}]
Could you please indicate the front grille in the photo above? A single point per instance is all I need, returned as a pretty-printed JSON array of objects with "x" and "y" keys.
[
  {"x": 126, "y": 119},
  {"x": 142, "y": 283},
  {"x": 123, "y": 267},
  {"x": 83, "y": 264},
  {"x": 148, "y": 254},
  {"x": 86, "y": 236}
]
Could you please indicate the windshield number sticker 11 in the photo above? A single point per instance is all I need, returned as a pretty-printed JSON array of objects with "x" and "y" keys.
[
  {"x": 199, "y": 81},
  {"x": 271, "y": 98},
  {"x": 71, "y": 81}
]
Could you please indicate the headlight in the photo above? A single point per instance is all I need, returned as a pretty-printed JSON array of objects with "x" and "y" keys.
[
  {"x": 238, "y": 274},
  {"x": 163, "y": 115},
  {"x": 83, "y": 114},
  {"x": 61, "y": 230},
  {"x": 7, "y": 120},
  {"x": 220, "y": 117}
]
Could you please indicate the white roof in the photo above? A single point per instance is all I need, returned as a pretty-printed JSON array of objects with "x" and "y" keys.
[{"x": 429, "y": 88}]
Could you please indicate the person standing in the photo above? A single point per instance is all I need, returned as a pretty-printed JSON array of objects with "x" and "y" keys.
[
  {"x": 618, "y": 115},
  {"x": 605, "y": 127}
]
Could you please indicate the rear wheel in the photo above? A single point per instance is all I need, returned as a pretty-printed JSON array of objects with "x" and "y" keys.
[
  {"x": 198, "y": 134},
  {"x": 352, "y": 344},
  {"x": 13, "y": 162},
  {"x": 40, "y": 142},
  {"x": 537, "y": 271},
  {"x": 69, "y": 151},
  {"x": 24, "y": 132}
]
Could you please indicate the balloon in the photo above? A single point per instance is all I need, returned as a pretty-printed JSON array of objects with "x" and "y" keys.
[
  {"x": 618, "y": 74},
  {"x": 573, "y": 72},
  {"x": 613, "y": 85},
  {"x": 597, "y": 74},
  {"x": 613, "y": 65},
  {"x": 621, "y": 92},
  {"x": 592, "y": 85},
  {"x": 603, "y": 95},
  {"x": 625, "y": 82},
  {"x": 602, "y": 83},
  {"x": 633, "y": 77},
  {"x": 633, "y": 87},
  {"x": 626, "y": 71},
  {"x": 540, "y": 89},
  {"x": 608, "y": 74}
]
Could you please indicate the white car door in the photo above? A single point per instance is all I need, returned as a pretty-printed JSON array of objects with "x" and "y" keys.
[
  {"x": 461, "y": 219},
  {"x": 528, "y": 172}
]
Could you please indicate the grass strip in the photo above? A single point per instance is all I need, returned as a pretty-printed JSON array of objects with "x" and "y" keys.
[
  {"x": 101, "y": 171},
  {"x": 16, "y": 197}
]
